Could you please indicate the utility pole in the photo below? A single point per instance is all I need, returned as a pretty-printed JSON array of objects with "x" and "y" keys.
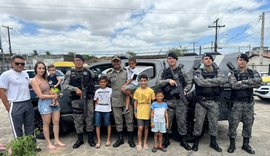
[
  {"x": 3, "y": 55},
  {"x": 9, "y": 43},
  {"x": 194, "y": 44},
  {"x": 262, "y": 42},
  {"x": 216, "y": 27}
]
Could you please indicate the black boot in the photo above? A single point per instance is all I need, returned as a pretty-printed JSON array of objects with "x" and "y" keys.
[
  {"x": 195, "y": 146},
  {"x": 246, "y": 146},
  {"x": 79, "y": 142},
  {"x": 130, "y": 140},
  {"x": 214, "y": 145},
  {"x": 184, "y": 143},
  {"x": 91, "y": 139},
  {"x": 120, "y": 140},
  {"x": 232, "y": 145},
  {"x": 166, "y": 141}
]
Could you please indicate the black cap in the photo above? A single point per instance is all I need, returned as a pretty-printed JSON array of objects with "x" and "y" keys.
[
  {"x": 173, "y": 55},
  {"x": 208, "y": 55},
  {"x": 79, "y": 56},
  {"x": 243, "y": 56}
]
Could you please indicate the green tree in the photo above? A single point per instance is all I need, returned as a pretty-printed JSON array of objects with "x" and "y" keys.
[
  {"x": 35, "y": 53},
  {"x": 131, "y": 53},
  {"x": 178, "y": 51},
  {"x": 48, "y": 53}
]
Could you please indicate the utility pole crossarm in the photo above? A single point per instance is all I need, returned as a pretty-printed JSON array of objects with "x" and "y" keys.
[{"x": 216, "y": 27}]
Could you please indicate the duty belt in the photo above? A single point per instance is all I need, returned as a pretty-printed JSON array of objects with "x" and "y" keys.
[
  {"x": 245, "y": 99},
  {"x": 204, "y": 98}
]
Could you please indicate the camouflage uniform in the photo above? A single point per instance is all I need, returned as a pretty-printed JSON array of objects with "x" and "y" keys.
[
  {"x": 72, "y": 82},
  {"x": 243, "y": 108},
  {"x": 176, "y": 105},
  {"x": 207, "y": 104},
  {"x": 77, "y": 104}
]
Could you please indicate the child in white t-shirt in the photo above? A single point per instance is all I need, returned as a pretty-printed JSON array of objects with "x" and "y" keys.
[
  {"x": 132, "y": 82},
  {"x": 102, "y": 109}
]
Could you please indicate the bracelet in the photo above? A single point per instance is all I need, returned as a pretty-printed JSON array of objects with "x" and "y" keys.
[{"x": 135, "y": 110}]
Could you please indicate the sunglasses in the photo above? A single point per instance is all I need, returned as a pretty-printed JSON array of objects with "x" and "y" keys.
[{"x": 18, "y": 63}]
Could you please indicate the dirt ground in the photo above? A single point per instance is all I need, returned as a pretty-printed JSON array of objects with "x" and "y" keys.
[{"x": 260, "y": 140}]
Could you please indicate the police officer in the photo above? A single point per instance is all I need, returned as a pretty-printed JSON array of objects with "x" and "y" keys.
[
  {"x": 208, "y": 81},
  {"x": 117, "y": 77},
  {"x": 75, "y": 81},
  {"x": 176, "y": 105},
  {"x": 242, "y": 81}
]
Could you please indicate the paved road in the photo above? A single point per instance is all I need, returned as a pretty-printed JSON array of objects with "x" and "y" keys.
[{"x": 260, "y": 140}]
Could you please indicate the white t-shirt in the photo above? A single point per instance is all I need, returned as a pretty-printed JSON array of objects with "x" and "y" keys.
[
  {"x": 17, "y": 85},
  {"x": 131, "y": 73},
  {"x": 104, "y": 99}
]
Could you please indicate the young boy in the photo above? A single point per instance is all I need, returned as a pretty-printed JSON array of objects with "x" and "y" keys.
[
  {"x": 143, "y": 97},
  {"x": 159, "y": 120},
  {"x": 54, "y": 82},
  {"x": 102, "y": 109},
  {"x": 132, "y": 83}
]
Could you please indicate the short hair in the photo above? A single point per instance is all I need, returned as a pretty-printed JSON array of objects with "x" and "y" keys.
[
  {"x": 17, "y": 57},
  {"x": 132, "y": 59},
  {"x": 103, "y": 78},
  {"x": 51, "y": 66},
  {"x": 159, "y": 91},
  {"x": 143, "y": 76}
]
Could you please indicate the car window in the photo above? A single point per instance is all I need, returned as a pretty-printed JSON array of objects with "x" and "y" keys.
[
  {"x": 31, "y": 74},
  {"x": 59, "y": 73},
  {"x": 98, "y": 69}
]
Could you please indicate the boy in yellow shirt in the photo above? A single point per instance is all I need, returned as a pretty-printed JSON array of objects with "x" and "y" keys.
[{"x": 143, "y": 97}]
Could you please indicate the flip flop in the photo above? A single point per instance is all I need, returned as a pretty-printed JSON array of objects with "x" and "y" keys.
[
  {"x": 97, "y": 146},
  {"x": 52, "y": 147},
  {"x": 60, "y": 144},
  {"x": 145, "y": 147},
  {"x": 108, "y": 144},
  {"x": 139, "y": 148}
]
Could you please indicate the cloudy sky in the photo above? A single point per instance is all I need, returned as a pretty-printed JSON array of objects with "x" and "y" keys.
[{"x": 101, "y": 27}]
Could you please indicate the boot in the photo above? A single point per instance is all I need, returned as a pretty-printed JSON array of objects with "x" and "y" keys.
[
  {"x": 232, "y": 145},
  {"x": 130, "y": 140},
  {"x": 184, "y": 143},
  {"x": 214, "y": 145},
  {"x": 79, "y": 142},
  {"x": 166, "y": 141},
  {"x": 120, "y": 140},
  {"x": 91, "y": 139},
  {"x": 195, "y": 146},
  {"x": 246, "y": 146}
]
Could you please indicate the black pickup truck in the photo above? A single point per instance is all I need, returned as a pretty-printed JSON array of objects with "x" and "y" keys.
[{"x": 152, "y": 68}]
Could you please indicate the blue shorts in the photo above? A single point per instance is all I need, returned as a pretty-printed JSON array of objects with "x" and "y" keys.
[
  {"x": 159, "y": 127},
  {"x": 45, "y": 108},
  {"x": 102, "y": 115}
]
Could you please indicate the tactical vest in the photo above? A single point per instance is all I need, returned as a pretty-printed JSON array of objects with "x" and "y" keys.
[
  {"x": 242, "y": 93},
  {"x": 84, "y": 76},
  {"x": 208, "y": 91},
  {"x": 168, "y": 75}
]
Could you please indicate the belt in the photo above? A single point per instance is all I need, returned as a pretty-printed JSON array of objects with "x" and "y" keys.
[
  {"x": 208, "y": 98},
  {"x": 246, "y": 99}
]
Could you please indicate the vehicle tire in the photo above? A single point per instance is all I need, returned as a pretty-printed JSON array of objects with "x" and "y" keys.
[{"x": 264, "y": 99}]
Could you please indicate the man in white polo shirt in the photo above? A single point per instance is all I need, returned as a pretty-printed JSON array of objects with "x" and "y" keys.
[{"x": 15, "y": 95}]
